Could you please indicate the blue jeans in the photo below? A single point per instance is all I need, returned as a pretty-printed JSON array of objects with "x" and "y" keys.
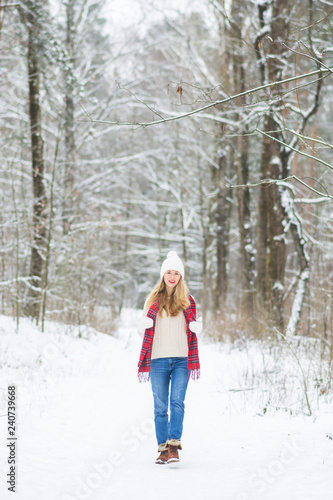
[{"x": 163, "y": 373}]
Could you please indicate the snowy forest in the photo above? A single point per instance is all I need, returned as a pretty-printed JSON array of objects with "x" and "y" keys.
[
  {"x": 129, "y": 129},
  {"x": 202, "y": 127}
]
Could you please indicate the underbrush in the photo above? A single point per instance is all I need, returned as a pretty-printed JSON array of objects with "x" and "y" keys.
[{"x": 272, "y": 373}]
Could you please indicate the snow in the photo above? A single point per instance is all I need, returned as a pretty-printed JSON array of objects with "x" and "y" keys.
[
  {"x": 297, "y": 304},
  {"x": 85, "y": 427},
  {"x": 278, "y": 285},
  {"x": 275, "y": 160},
  {"x": 126, "y": 13}
]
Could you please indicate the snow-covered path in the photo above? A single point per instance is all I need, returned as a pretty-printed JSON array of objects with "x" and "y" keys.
[{"x": 85, "y": 428}]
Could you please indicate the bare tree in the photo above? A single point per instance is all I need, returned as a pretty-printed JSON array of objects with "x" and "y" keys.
[
  {"x": 69, "y": 116},
  {"x": 30, "y": 16}
]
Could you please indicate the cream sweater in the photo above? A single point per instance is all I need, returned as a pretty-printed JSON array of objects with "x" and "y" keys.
[{"x": 170, "y": 339}]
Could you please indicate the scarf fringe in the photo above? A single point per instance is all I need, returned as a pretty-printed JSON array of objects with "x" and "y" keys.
[
  {"x": 195, "y": 374},
  {"x": 144, "y": 376}
]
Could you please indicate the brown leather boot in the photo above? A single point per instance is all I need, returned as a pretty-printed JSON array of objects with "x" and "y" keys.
[
  {"x": 164, "y": 454},
  {"x": 174, "y": 445},
  {"x": 173, "y": 454}
]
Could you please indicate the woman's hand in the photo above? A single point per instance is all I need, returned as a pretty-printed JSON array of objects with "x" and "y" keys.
[
  {"x": 196, "y": 326},
  {"x": 145, "y": 323}
]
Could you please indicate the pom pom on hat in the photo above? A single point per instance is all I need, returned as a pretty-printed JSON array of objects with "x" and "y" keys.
[{"x": 172, "y": 263}]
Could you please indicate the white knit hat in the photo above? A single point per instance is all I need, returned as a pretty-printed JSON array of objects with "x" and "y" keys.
[{"x": 172, "y": 263}]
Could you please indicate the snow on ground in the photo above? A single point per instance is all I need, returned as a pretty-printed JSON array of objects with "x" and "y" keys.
[{"x": 85, "y": 427}]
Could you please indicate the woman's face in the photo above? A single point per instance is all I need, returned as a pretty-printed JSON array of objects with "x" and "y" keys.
[{"x": 171, "y": 279}]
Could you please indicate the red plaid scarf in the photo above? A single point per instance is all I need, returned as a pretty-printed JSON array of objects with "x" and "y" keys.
[{"x": 193, "y": 363}]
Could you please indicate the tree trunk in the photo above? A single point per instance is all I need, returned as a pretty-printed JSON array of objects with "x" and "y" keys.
[
  {"x": 67, "y": 209},
  {"x": 244, "y": 224},
  {"x": 242, "y": 167},
  {"x": 276, "y": 256},
  {"x": 221, "y": 217},
  {"x": 205, "y": 238},
  {"x": 39, "y": 205},
  {"x": 271, "y": 244}
]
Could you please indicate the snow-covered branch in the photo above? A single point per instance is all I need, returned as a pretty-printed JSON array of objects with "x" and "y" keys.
[
  {"x": 323, "y": 72},
  {"x": 288, "y": 146}
]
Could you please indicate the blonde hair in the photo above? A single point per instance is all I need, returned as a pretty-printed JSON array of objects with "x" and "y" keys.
[{"x": 173, "y": 304}]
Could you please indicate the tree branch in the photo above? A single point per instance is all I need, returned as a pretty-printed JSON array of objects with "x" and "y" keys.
[
  {"x": 313, "y": 139},
  {"x": 269, "y": 182},
  {"x": 288, "y": 146},
  {"x": 218, "y": 102}
]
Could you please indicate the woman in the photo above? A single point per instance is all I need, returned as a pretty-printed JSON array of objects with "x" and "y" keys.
[{"x": 169, "y": 353}]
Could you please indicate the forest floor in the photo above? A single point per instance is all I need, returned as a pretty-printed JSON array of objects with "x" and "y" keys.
[{"x": 85, "y": 428}]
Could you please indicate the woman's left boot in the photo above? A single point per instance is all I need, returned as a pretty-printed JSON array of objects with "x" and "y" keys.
[{"x": 174, "y": 445}]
